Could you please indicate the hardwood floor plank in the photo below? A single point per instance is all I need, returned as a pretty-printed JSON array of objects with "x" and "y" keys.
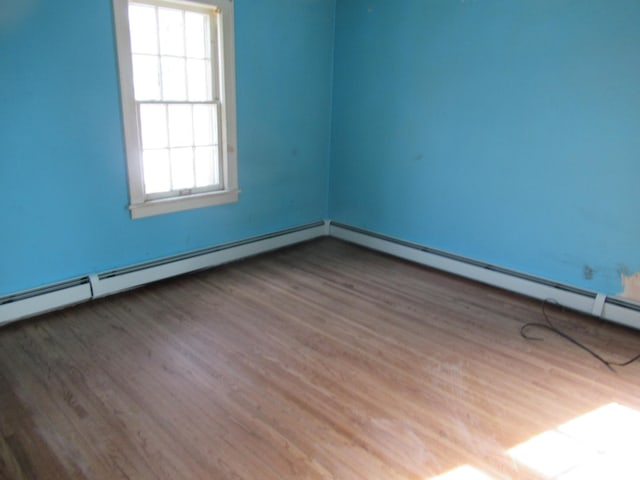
[{"x": 320, "y": 361}]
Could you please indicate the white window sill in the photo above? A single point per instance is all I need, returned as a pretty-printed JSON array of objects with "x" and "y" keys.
[{"x": 177, "y": 204}]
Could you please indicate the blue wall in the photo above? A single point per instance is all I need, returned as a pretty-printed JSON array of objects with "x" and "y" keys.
[
  {"x": 62, "y": 168},
  {"x": 506, "y": 131}
]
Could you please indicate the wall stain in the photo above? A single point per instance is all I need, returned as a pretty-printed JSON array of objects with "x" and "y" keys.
[
  {"x": 587, "y": 272},
  {"x": 623, "y": 270},
  {"x": 631, "y": 286}
]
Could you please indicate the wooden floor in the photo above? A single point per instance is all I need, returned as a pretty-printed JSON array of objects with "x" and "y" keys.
[{"x": 323, "y": 360}]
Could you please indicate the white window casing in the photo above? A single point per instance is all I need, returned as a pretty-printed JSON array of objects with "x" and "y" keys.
[{"x": 221, "y": 103}]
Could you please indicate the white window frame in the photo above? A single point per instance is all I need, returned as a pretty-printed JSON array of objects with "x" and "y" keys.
[{"x": 140, "y": 204}]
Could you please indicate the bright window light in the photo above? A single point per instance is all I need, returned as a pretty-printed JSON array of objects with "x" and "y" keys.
[
  {"x": 176, "y": 66},
  {"x": 607, "y": 429},
  {"x": 464, "y": 472},
  {"x": 618, "y": 466},
  {"x": 600, "y": 444},
  {"x": 172, "y": 64},
  {"x": 551, "y": 453}
]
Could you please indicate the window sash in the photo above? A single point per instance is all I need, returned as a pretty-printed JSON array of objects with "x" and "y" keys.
[
  {"x": 216, "y": 144},
  {"x": 222, "y": 57},
  {"x": 167, "y": 168}
]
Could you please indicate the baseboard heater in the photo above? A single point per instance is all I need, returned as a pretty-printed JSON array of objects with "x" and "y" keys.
[
  {"x": 52, "y": 297},
  {"x": 95, "y": 285},
  {"x": 597, "y": 304}
]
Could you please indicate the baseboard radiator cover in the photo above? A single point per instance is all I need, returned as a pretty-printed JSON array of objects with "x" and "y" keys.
[
  {"x": 592, "y": 303},
  {"x": 51, "y": 297},
  {"x": 40, "y": 300}
]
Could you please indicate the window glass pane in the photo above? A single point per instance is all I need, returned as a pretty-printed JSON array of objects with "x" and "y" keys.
[
  {"x": 153, "y": 125},
  {"x": 143, "y": 29},
  {"x": 180, "y": 126},
  {"x": 157, "y": 174},
  {"x": 205, "y": 125},
  {"x": 171, "y": 57},
  {"x": 146, "y": 78},
  {"x": 207, "y": 169},
  {"x": 182, "y": 168},
  {"x": 174, "y": 86},
  {"x": 198, "y": 80},
  {"x": 171, "y": 23},
  {"x": 197, "y": 26}
]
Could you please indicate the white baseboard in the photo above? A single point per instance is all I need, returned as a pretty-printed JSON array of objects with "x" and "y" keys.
[
  {"x": 585, "y": 301},
  {"x": 52, "y": 297},
  {"x": 109, "y": 283},
  {"x": 44, "y": 301}
]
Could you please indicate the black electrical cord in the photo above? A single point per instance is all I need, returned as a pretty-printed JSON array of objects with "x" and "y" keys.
[{"x": 552, "y": 328}]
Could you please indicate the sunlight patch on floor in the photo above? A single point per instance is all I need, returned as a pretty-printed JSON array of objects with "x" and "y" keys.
[
  {"x": 464, "y": 472},
  {"x": 602, "y": 444},
  {"x": 599, "y": 444}
]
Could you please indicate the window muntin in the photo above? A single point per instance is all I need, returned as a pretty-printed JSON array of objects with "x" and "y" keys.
[
  {"x": 174, "y": 73},
  {"x": 178, "y": 98}
]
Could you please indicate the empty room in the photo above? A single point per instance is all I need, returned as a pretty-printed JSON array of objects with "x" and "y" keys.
[{"x": 320, "y": 239}]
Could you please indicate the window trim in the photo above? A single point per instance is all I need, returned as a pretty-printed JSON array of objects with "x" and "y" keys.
[{"x": 140, "y": 206}]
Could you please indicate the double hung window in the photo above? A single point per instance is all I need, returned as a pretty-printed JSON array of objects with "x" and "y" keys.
[{"x": 178, "y": 102}]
